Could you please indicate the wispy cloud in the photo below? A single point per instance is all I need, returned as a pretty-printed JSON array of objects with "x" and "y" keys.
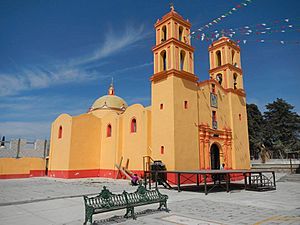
[
  {"x": 131, "y": 68},
  {"x": 114, "y": 43},
  {"x": 41, "y": 78},
  {"x": 31, "y": 130},
  {"x": 72, "y": 70}
]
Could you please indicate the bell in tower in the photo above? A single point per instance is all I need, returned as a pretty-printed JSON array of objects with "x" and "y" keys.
[{"x": 225, "y": 63}]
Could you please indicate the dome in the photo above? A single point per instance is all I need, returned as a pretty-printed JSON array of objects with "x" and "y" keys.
[{"x": 109, "y": 102}]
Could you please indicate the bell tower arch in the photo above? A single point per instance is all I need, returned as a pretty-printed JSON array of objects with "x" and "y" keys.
[
  {"x": 225, "y": 63},
  {"x": 173, "y": 44}
]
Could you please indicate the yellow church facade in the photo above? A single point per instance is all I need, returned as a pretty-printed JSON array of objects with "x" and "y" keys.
[{"x": 190, "y": 125}]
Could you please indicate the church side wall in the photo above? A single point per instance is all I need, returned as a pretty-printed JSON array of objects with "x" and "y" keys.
[
  {"x": 109, "y": 145},
  {"x": 60, "y": 147},
  {"x": 85, "y": 146},
  {"x": 135, "y": 144}
]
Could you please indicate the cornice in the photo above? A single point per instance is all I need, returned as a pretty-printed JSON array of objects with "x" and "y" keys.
[
  {"x": 173, "y": 72},
  {"x": 175, "y": 16},
  {"x": 176, "y": 42},
  {"x": 239, "y": 92},
  {"x": 225, "y": 66},
  {"x": 221, "y": 44}
]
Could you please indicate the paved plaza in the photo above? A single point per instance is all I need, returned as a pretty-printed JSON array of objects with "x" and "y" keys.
[{"x": 36, "y": 201}]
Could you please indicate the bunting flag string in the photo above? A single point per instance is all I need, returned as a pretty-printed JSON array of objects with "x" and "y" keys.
[
  {"x": 282, "y": 42},
  {"x": 280, "y": 25},
  {"x": 244, "y": 41},
  {"x": 277, "y": 26},
  {"x": 253, "y": 32},
  {"x": 222, "y": 17}
]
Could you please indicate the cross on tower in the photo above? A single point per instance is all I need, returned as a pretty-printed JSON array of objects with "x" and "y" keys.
[{"x": 172, "y": 6}]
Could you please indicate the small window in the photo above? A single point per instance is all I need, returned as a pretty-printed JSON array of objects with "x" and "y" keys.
[
  {"x": 133, "y": 125},
  {"x": 60, "y": 132},
  {"x": 108, "y": 131},
  {"x": 240, "y": 117},
  {"x": 185, "y": 104},
  {"x": 213, "y": 88},
  {"x": 161, "y": 106},
  {"x": 162, "y": 150}
]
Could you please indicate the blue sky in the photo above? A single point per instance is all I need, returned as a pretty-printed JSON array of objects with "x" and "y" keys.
[{"x": 59, "y": 56}]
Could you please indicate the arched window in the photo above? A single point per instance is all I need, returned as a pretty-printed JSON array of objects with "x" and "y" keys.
[
  {"x": 180, "y": 33},
  {"x": 234, "y": 81},
  {"x": 108, "y": 131},
  {"x": 163, "y": 57},
  {"x": 133, "y": 126},
  {"x": 218, "y": 55},
  {"x": 182, "y": 60},
  {"x": 164, "y": 33},
  {"x": 232, "y": 57},
  {"x": 219, "y": 78},
  {"x": 60, "y": 130}
]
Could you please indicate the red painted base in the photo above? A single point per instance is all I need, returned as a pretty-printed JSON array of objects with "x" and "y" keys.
[{"x": 88, "y": 173}]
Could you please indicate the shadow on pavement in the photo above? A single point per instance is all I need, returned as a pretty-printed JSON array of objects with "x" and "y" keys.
[{"x": 120, "y": 219}]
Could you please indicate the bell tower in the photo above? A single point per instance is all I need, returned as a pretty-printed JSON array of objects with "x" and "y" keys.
[
  {"x": 174, "y": 94},
  {"x": 173, "y": 48},
  {"x": 225, "y": 64}
]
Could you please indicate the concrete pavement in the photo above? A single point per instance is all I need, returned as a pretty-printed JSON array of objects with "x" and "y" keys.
[{"x": 54, "y": 201}]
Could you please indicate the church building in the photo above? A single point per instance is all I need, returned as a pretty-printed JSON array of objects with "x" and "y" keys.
[{"x": 190, "y": 124}]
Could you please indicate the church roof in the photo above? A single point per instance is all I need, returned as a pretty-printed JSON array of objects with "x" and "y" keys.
[{"x": 110, "y": 101}]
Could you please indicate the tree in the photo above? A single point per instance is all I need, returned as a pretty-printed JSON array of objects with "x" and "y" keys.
[
  {"x": 255, "y": 129},
  {"x": 282, "y": 128}
]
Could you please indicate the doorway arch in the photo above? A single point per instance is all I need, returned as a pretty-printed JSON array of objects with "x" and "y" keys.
[{"x": 214, "y": 157}]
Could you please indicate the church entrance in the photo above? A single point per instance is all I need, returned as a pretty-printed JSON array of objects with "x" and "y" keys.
[{"x": 215, "y": 157}]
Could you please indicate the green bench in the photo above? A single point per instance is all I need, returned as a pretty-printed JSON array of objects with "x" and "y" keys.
[{"x": 107, "y": 201}]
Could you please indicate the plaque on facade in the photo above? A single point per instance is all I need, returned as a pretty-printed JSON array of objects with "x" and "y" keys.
[{"x": 213, "y": 100}]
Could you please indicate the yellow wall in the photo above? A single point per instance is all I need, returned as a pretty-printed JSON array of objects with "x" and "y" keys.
[
  {"x": 85, "y": 142},
  {"x": 60, "y": 148},
  {"x": 10, "y": 166},
  {"x": 185, "y": 125},
  {"x": 163, "y": 122},
  {"x": 135, "y": 145},
  {"x": 109, "y": 145},
  {"x": 241, "y": 153}
]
